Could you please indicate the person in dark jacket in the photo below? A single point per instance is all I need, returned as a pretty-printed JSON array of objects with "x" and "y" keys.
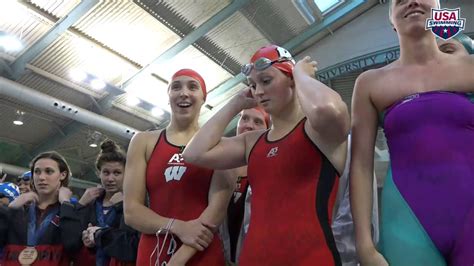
[
  {"x": 107, "y": 239},
  {"x": 39, "y": 227}
]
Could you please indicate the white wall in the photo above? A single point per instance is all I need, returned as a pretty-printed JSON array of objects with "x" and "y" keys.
[{"x": 370, "y": 32}]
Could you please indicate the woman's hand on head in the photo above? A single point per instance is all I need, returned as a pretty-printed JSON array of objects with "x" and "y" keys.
[
  {"x": 306, "y": 66},
  {"x": 244, "y": 99}
]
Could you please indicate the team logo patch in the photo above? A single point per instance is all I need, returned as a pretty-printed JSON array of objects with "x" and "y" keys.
[
  {"x": 445, "y": 23},
  {"x": 174, "y": 173},
  {"x": 283, "y": 53},
  {"x": 273, "y": 152},
  {"x": 176, "y": 168},
  {"x": 55, "y": 220}
]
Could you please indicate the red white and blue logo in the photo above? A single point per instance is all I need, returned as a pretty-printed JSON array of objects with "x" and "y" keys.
[{"x": 445, "y": 23}]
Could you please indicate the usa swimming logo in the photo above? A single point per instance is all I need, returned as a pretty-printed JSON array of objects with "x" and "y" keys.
[{"x": 445, "y": 23}]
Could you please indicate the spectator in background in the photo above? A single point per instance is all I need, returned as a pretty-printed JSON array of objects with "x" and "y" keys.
[
  {"x": 37, "y": 227},
  {"x": 107, "y": 239},
  {"x": 24, "y": 182},
  {"x": 236, "y": 224},
  {"x": 8, "y": 193},
  {"x": 460, "y": 44},
  {"x": 3, "y": 175}
]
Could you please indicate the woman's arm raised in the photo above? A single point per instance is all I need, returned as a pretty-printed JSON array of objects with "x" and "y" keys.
[{"x": 209, "y": 149}]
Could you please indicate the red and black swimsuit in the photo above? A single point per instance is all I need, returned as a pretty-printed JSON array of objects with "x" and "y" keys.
[
  {"x": 177, "y": 190},
  {"x": 294, "y": 188}
]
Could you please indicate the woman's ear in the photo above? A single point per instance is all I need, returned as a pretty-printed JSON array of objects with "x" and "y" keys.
[{"x": 63, "y": 176}]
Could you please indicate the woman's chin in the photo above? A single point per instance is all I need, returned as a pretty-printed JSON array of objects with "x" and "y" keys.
[{"x": 111, "y": 191}]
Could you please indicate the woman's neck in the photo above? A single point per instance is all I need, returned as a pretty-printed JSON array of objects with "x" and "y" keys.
[
  {"x": 288, "y": 116},
  {"x": 107, "y": 197},
  {"x": 176, "y": 126},
  {"x": 418, "y": 50},
  {"x": 181, "y": 133},
  {"x": 45, "y": 200}
]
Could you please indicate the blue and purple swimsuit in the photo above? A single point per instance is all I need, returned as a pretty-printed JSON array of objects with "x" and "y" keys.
[{"x": 428, "y": 199}]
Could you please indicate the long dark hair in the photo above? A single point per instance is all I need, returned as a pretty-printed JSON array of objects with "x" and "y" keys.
[
  {"x": 110, "y": 152},
  {"x": 59, "y": 159}
]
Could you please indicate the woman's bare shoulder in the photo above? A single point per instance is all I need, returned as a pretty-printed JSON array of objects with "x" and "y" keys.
[{"x": 146, "y": 139}]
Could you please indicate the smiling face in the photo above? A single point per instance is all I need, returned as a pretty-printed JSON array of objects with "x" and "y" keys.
[
  {"x": 25, "y": 186},
  {"x": 47, "y": 176},
  {"x": 186, "y": 97},
  {"x": 409, "y": 16},
  {"x": 271, "y": 88}
]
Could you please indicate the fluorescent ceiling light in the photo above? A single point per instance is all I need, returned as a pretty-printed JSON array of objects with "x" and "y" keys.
[
  {"x": 19, "y": 119},
  {"x": 132, "y": 100},
  {"x": 157, "y": 111},
  {"x": 14, "y": 13},
  {"x": 77, "y": 75},
  {"x": 94, "y": 138},
  {"x": 18, "y": 122},
  {"x": 151, "y": 90},
  {"x": 100, "y": 63},
  {"x": 97, "y": 84},
  {"x": 212, "y": 73},
  {"x": 10, "y": 43}
]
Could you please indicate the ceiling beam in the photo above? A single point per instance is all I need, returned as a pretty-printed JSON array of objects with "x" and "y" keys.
[
  {"x": 323, "y": 24},
  {"x": 191, "y": 38},
  {"x": 295, "y": 42},
  {"x": 34, "y": 98},
  {"x": 107, "y": 102},
  {"x": 51, "y": 142},
  {"x": 5, "y": 69},
  {"x": 19, "y": 65}
]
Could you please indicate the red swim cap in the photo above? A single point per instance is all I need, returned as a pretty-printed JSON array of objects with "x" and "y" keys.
[
  {"x": 192, "y": 74},
  {"x": 274, "y": 52}
]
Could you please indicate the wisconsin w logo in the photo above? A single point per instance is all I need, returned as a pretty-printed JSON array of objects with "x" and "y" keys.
[{"x": 174, "y": 173}]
